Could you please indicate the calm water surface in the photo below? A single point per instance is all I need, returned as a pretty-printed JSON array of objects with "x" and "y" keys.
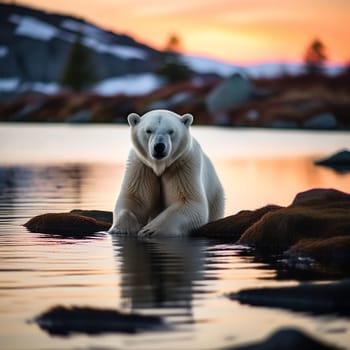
[{"x": 59, "y": 168}]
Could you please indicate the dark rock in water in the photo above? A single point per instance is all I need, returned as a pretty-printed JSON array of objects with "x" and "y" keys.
[
  {"x": 333, "y": 251},
  {"x": 316, "y": 225},
  {"x": 233, "y": 226},
  {"x": 339, "y": 161},
  {"x": 316, "y": 214},
  {"x": 287, "y": 339},
  {"x": 330, "y": 298},
  {"x": 65, "y": 224},
  {"x": 61, "y": 320},
  {"x": 99, "y": 215}
]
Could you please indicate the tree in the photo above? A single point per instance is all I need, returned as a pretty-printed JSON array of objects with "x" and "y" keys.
[
  {"x": 79, "y": 72},
  {"x": 172, "y": 67},
  {"x": 315, "y": 57}
]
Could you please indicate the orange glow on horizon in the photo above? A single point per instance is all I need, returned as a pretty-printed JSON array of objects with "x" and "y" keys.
[{"x": 234, "y": 31}]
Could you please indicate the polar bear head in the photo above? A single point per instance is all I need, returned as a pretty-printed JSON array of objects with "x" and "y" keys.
[{"x": 160, "y": 137}]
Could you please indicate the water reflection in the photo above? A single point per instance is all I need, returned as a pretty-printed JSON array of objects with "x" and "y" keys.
[
  {"x": 157, "y": 273},
  {"x": 252, "y": 182},
  {"x": 26, "y": 191},
  {"x": 183, "y": 280},
  {"x": 249, "y": 183}
]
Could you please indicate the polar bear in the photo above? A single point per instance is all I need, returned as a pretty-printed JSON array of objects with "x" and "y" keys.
[{"x": 170, "y": 186}]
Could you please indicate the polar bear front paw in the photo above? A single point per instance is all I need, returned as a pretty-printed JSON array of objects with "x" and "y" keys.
[
  {"x": 126, "y": 223},
  {"x": 152, "y": 230},
  {"x": 145, "y": 233}
]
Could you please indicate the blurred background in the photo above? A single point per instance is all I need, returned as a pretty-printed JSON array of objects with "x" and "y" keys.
[{"x": 232, "y": 63}]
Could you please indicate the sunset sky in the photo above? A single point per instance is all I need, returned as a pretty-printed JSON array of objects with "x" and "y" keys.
[{"x": 237, "y": 31}]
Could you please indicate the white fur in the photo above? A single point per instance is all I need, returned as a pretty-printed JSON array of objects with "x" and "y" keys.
[{"x": 172, "y": 195}]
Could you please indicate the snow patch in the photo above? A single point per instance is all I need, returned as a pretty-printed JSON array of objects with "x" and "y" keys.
[
  {"x": 13, "y": 84},
  {"x": 207, "y": 65},
  {"x": 38, "y": 86},
  {"x": 9, "y": 84},
  {"x": 267, "y": 69},
  {"x": 132, "y": 84},
  {"x": 33, "y": 28},
  {"x": 275, "y": 69},
  {"x": 36, "y": 29},
  {"x": 79, "y": 27},
  {"x": 125, "y": 52},
  {"x": 3, "y": 51},
  {"x": 272, "y": 69}
]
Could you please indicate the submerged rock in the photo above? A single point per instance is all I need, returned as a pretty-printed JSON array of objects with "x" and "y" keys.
[
  {"x": 287, "y": 339},
  {"x": 330, "y": 298},
  {"x": 333, "y": 251},
  {"x": 61, "y": 320}
]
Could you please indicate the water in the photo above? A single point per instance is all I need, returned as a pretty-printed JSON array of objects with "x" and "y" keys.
[{"x": 57, "y": 168}]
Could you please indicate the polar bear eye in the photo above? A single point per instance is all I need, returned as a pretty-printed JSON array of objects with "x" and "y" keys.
[
  {"x": 148, "y": 131},
  {"x": 170, "y": 132}
]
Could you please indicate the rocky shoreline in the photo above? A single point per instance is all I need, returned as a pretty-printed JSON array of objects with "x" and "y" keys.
[{"x": 316, "y": 226}]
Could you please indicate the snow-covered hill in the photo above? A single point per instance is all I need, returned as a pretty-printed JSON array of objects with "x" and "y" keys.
[{"x": 34, "y": 46}]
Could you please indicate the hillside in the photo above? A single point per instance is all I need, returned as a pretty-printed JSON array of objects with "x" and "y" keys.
[{"x": 35, "y": 46}]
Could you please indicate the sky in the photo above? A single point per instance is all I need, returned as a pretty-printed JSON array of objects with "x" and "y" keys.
[{"x": 237, "y": 31}]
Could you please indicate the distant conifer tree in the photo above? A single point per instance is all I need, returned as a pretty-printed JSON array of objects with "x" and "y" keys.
[
  {"x": 172, "y": 67},
  {"x": 79, "y": 72},
  {"x": 315, "y": 57}
]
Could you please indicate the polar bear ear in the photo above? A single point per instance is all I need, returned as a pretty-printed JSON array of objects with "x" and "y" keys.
[
  {"x": 133, "y": 119},
  {"x": 187, "y": 119}
]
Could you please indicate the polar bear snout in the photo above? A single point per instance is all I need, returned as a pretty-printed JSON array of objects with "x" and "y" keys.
[
  {"x": 160, "y": 147},
  {"x": 159, "y": 151}
]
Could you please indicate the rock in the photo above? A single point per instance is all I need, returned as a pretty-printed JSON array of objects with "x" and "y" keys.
[
  {"x": 333, "y": 251},
  {"x": 317, "y": 196},
  {"x": 230, "y": 93},
  {"x": 99, "y": 215},
  {"x": 82, "y": 116},
  {"x": 284, "y": 124},
  {"x": 287, "y": 339},
  {"x": 321, "y": 121},
  {"x": 339, "y": 161},
  {"x": 329, "y": 298},
  {"x": 316, "y": 214},
  {"x": 61, "y": 320},
  {"x": 232, "y": 227},
  {"x": 316, "y": 225},
  {"x": 65, "y": 224}
]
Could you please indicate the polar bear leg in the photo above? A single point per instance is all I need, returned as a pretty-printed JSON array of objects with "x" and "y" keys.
[
  {"x": 126, "y": 222},
  {"x": 217, "y": 205},
  {"x": 137, "y": 200}
]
